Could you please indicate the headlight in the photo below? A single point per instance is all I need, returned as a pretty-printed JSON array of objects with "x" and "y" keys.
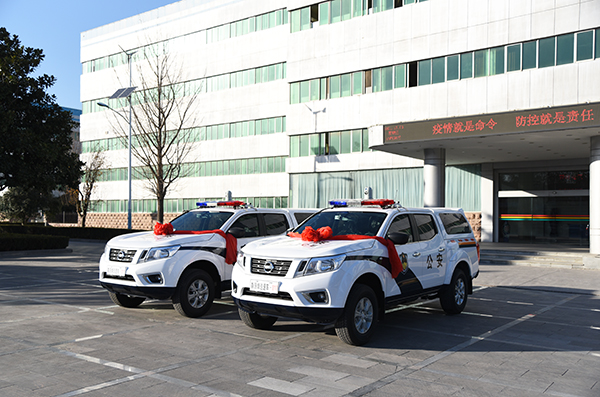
[
  {"x": 241, "y": 260},
  {"x": 160, "y": 253},
  {"x": 322, "y": 265}
]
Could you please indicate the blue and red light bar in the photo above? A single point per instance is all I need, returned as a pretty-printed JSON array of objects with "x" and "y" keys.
[
  {"x": 355, "y": 203},
  {"x": 212, "y": 204}
]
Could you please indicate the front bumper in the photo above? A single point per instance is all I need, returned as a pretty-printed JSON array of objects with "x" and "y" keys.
[
  {"x": 321, "y": 315},
  {"x": 146, "y": 292}
]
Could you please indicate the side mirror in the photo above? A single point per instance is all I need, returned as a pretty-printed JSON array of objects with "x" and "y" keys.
[
  {"x": 237, "y": 232},
  {"x": 398, "y": 238}
]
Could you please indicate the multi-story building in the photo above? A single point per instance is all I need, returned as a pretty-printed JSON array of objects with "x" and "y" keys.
[{"x": 489, "y": 106}]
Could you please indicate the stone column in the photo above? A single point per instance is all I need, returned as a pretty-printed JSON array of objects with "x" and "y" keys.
[
  {"x": 434, "y": 176},
  {"x": 595, "y": 195},
  {"x": 487, "y": 202}
]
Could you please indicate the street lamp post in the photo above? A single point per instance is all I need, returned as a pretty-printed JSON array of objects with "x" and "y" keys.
[{"x": 125, "y": 93}]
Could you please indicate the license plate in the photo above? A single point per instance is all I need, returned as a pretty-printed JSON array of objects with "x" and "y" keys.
[
  {"x": 270, "y": 287},
  {"x": 118, "y": 271}
]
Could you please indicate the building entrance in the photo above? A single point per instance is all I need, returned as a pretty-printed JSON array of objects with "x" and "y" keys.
[{"x": 548, "y": 207}]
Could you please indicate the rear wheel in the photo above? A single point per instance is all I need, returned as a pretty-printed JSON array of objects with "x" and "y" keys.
[
  {"x": 125, "y": 300},
  {"x": 195, "y": 293},
  {"x": 357, "y": 324},
  {"x": 453, "y": 297},
  {"x": 255, "y": 320}
]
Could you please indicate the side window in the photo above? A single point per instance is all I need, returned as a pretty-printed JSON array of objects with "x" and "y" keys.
[
  {"x": 301, "y": 216},
  {"x": 425, "y": 227},
  {"x": 276, "y": 224},
  {"x": 455, "y": 223},
  {"x": 248, "y": 223},
  {"x": 402, "y": 225}
]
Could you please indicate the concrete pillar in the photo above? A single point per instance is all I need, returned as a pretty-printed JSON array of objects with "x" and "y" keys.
[
  {"x": 487, "y": 202},
  {"x": 595, "y": 195},
  {"x": 434, "y": 176}
]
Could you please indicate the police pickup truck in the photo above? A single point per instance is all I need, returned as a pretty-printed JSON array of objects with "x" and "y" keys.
[
  {"x": 346, "y": 264},
  {"x": 190, "y": 259}
]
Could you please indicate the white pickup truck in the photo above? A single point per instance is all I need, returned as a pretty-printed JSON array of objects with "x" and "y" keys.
[
  {"x": 185, "y": 261},
  {"x": 346, "y": 264}
]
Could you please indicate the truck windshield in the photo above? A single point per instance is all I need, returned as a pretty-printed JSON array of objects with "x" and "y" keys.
[
  {"x": 199, "y": 221},
  {"x": 347, "y": 222}
]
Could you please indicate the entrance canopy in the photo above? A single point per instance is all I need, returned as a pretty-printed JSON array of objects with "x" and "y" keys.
[{"x": 553, "y": 133}]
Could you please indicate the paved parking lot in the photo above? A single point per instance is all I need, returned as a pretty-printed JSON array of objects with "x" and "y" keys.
[{"x": 526, "y": 331}]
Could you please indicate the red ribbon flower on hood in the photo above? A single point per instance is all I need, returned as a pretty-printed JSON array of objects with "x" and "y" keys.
[{"x": 230, "y": 241}]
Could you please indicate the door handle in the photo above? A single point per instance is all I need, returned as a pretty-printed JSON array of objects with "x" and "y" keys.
[
  {"x": 441, "y": 249},
  {"x": 417, "y": 254}
]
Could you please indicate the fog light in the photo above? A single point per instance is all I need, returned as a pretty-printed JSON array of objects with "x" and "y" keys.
[
  {"x": 154, "y": 278},
  {"x": 316, "y": 296}
]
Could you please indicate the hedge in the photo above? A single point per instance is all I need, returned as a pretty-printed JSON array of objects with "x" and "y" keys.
[{"x": 22, "y": 242}]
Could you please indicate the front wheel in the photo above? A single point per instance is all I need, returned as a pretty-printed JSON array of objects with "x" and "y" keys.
[
  {"x": 357, "y": 324},
  {"x": 195, "y": 293},
  {"x": 125, "y": 300},
  {"x": 453, "y": 297},
  {"x": 255, "y": 320}
]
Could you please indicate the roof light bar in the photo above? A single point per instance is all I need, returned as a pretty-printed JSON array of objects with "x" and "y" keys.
[
  {"x": 213, "y": 204},
  {"x": 358, "y": 203}
]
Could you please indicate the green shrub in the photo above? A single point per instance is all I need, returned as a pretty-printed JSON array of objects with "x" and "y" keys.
[{"x": 23, "y": 242}]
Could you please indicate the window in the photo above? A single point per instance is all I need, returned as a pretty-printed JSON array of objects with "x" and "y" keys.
[
  {"x": 584, "y": 45},
  {"x": 424, "y": 72},
  {"x": 466, "y": 65},
  {"x": 314, "y": 90},
  {"x": 346, "y": 9},
  {"x": 481, "y": 63},
  {"x": 334, "y": 143},
  {"x": 455, "y": 223},
  {"x": 387, "y": 78},
  {"x": 305, "y": 18},
  {"x": 275, "y": 224},
  {"x": 496, "y": 61},
  {"x": 452, "y": 67},
  {"x": 376, "y": 80},
  {"x": 324, "y": 91},
  {"x": 346, "y": 84},
  {"x": 546, "y": 52},
  {"x": 357, "y": 84},
  {"x": 304, "y": 91},
  {"x": 295, "y": 25},
  {"x": 399, "y": 76},
  {"x": 295, "y": 93},
  {"x": 513, "y": 58},
  {"x": 358, "y": 8},
  {"x": 336, "y": 11},
  {"x": 346, "y": 142},
  {"x": 401, "y": 224},
  {"x": 356, "y": 141},
  {"x": 335, "y": 87},
  {"x": 529, "y": 55},
  {"x": 314, "y": 145},
  {"x": 425, "y": 224},
  {"x": 324, "y": 13},
  {"x": 248, "y": 224},
  {"x": 565, "y": 49},
  {"x": 438, "y": 70},
  {"x": 304, "y": 145}
]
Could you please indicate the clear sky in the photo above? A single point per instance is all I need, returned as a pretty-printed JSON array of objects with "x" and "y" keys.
[{"x": 55, "y": 27}]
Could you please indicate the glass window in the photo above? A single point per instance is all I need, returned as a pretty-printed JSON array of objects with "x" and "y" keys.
[
  {"x": 358, "y": 8},
  {"x": 305, "y": 18},
  {"x": 598, "y": 43},
  {"x": 365, "y": 141},
  {"x": 346, "y": 141},
  {"x": 424, "y": 72},
  {"x": 546, "y": 52},
  {"x": 295, "y": 25},
  {"x": 295, "y": 146},
  {"x": 346, "y": 9},
  {"x": 401, "y": 224},
  {"x": 387, "y": 78},
  {"x": 314, "y": 145},
  {"x": 425, "y": 227},
  {"x": 324, "y": 88},
  {"x": 399, "y": 76},
  {"x": 335, "y": 87},
  {"x": 376, "y": 80},
  {"x": 565, "y": 49},
  {"x": 452, "y": 67},
  {"x": 357, "y": 84},
  {"x": 346, "y": 84},
  {"x": 481, "y": 63},
  {"x": 529, "y": 55},
  {"x": 584, "y": 45},
  {"x": 356, "y": 141},
  {"x": 334, "y": 143},
  {"x": 304, "y": 91},
  {"x": 324, "y": 13},
  {"x": 314, "y": 90},
  {"x": 496, "y": 61},
  {"x": 248, "y": 224},
  {"x": 304, "y": 145},
  {"x": 294, "y": 93},
  {"x": 438, "y": 70},
  {"x": 513, "y": 58},
  {"x": 275, "y": 224},
  {"x": 466, "y": 65},
  {"x": 336, "y": 11}
]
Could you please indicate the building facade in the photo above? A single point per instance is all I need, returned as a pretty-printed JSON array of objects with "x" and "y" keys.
[{"x": 489, "y": 106}]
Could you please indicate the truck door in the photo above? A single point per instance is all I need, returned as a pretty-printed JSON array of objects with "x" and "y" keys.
[
  {"x": 432, "y": 252},
  {"x": 408, "y": 280}
]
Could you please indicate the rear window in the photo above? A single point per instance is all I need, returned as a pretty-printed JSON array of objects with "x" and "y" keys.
[
  {"x": 301, "y": 216},
  {"x": 455, "y": 223}
]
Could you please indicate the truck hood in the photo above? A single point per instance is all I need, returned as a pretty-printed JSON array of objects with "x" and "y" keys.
[
  {"x": 295, "y": 248},
  {"x": 145, "y": 240}
]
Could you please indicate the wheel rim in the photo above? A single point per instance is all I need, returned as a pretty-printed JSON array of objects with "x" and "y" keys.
[
  {"x": 459, "y": 291},
  {"x": 198, "y": 294},
  {"x": 363, "y": 315}
]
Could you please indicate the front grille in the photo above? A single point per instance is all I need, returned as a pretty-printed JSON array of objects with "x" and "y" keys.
[
  {"x": 270, "y": 267},
  {"x": 118, "y": 255},
  {"x": 280, "y": 295}
]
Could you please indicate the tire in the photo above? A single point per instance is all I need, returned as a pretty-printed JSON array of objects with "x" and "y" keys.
[
  {"x": 195, "y": 293},
  {"x": 257, "y": 321},
  {"x": 125, "y": 300},
  {"x": 453, "y": 297},
  {"x": 357, "y": 324}
]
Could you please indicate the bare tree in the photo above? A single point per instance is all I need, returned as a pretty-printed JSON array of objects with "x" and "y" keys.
[
  {"x": 161, "y": 115},
  {"x": 92, "y": 171}
]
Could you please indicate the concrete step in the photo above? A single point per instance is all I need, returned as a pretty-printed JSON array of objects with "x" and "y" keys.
[{"x": 532, "y": 258}]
